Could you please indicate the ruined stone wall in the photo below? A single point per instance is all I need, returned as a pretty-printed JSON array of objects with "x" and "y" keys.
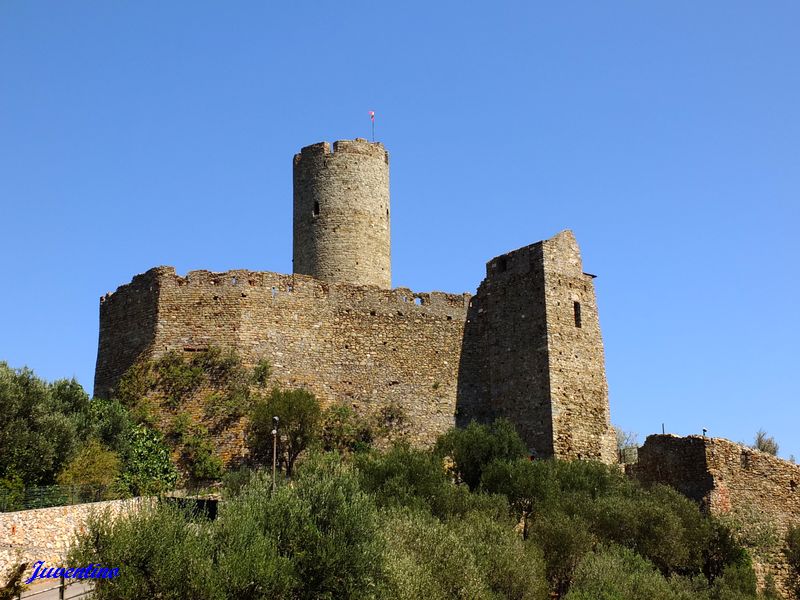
[
  {"x": 578, "y": 387},
  {"x": 722, "y": 475},
  {"x": 542, "y": 363},
  {"x": 518, "y": 349},
  {"x": 46, "y": 533},
  {"x": 508, "y": 331},
  {"x": 361, "y": 345},
  {"x": 727, "y": 479},
  {"x": 128, "y": 322},
  {"x": 341, "y": 213}
]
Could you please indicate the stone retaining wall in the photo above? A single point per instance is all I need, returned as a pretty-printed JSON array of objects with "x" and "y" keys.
[{"x": 46, "y": 533}]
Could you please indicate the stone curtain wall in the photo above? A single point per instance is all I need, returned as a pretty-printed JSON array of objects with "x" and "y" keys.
[
  {"x": 128, "y": 321},
  {"x": 341, "y": 213},
  {"x": 514, "y": 350},
  {"x": 46, "y": 533},
  {"x": 727, "y": 479},
  {"x": 530, "y": 358},
  {"x": 361, "y": 345}
]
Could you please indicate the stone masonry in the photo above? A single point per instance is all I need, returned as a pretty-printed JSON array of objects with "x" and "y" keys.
[
  {"x": 527, "y": 346},
  {"x": 341, "y": 213},
  {"x": 46, "y": 533},
  {"x": 726, "y": 478},
  {"x": 533, "y": 352}
]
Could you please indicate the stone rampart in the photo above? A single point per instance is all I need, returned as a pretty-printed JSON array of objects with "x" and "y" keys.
[
  {"x": 527, "y": 347},
  {"x": 362, "y": 345},
  {"x": 727, "y": 479},
  {"x": 46, "y": 533}
]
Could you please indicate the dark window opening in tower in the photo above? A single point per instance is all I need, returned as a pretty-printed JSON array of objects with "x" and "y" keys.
[
  {"x": 577, "y": 308},
  {"x": 316, "y": 209},
  {"x": 502, "y": 264}
]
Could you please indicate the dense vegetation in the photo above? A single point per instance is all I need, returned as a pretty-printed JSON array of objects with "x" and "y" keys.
[
  {"x": 448, "y": 522},
  {"x": 472, "y": 517},
  {"x": 53, "y": 433}
]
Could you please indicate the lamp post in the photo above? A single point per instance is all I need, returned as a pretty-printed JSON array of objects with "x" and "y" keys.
[{"x": 274, "y": 449}]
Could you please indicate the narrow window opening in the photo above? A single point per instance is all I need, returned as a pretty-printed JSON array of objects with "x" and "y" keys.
[
  {"x": 316, "y": 209},
  {"x": 418, "y": 301},
  {"x": 502, "y": 264},
  {"x": 577, "y": 307},
  {"x": 793, "y": 485},
  {"x": 234, "y": 281}
]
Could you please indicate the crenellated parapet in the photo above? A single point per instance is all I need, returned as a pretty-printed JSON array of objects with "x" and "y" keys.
[{"x": 341, "y": 213}]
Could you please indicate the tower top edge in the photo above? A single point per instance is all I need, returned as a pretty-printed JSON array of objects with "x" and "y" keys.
[{"x": 355, "y": 146}]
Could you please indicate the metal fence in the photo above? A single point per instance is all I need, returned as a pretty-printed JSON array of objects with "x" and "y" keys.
[
  {"x": 53, "y": 495},
  {"x": 64, "y": 590}
]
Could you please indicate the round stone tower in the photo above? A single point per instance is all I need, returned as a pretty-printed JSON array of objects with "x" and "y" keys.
[{"x": 341, "y": 213}]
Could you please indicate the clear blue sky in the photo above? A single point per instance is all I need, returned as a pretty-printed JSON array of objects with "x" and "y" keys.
[{"x": 665, "y": 134}]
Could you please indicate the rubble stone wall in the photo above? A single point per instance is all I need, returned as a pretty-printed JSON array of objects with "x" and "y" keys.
[
  {"x": 46, "y": 533},
  {"x": 727, "y": 479}
]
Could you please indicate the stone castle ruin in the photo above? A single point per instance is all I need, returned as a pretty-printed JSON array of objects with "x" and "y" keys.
[{"x": 527, "y": 346}]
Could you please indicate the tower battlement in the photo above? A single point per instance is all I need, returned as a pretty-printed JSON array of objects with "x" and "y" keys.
[{"x": 341, "y": 213}]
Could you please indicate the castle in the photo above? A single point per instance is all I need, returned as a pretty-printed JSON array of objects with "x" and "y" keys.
[{"x": 527, "y": 346}]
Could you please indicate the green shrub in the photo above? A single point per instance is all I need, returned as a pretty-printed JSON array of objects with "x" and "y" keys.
[
  {"x": 199, "y": 457},
  {"x": 530, "y": 486},
  {"x": 147, "y": 466},
  {"x": 177, "y": 378},
  {"x": 474, "y": 558},
  {"x": 620, "y": 574},
  {"x": 234, "y": 481},
  {"x": 155, "y": 547},
  {"x": 473, "y": 448},
  {"x": 315, "y": 539},
  {"x": 300, "y": 415},
  {"x": 181, "y": 426},
  {"x": 792, "y": 553},
  {"x": 407, "y": 477},
  {"x": 94, "y": 470},
  {"x": 564, "y": 540},
  {"x": 261, "y": 373},
  {"x": 344, "y": 430}
]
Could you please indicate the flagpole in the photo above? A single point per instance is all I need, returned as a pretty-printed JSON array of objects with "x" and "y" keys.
[{"x": 372, "y": 118}]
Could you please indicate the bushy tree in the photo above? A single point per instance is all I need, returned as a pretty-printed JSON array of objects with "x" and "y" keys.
[
  {"x": 475, "y": 557},
  {"x": 620, "y": 574},
  {"x": 38, "y": 425},
  {"x": 317, "y": 538},
  {"x": 473, "y": 448},
  {"x": 94, "y": 470},
  {"x": 564, "y": 540},
  {"x": 199, "y": 457},
  {"x": 147, "y": 466},
  {"x": 344, "y": 430},
  {"x": 530, "y": 486},
  {"x": 765, "y": 443},
  {"x": 409, "y": 477},
  {"x": 299, "y": 416}
]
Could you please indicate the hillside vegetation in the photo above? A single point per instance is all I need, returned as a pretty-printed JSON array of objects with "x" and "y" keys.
[{"x": 472, "y": 517}]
